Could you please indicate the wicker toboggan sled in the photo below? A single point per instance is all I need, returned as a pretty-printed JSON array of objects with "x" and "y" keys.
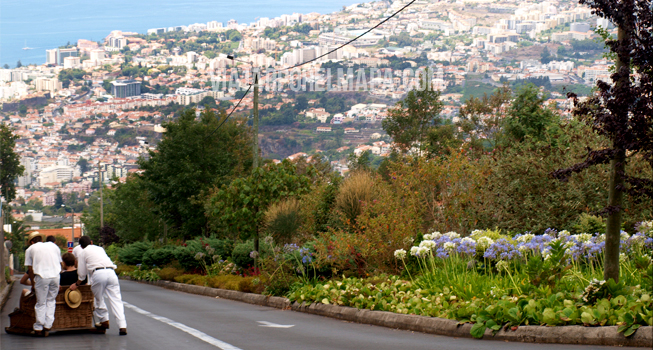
[{"x": 21, "y": 320}]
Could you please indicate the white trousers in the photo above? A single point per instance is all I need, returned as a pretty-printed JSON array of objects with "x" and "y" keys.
[
  {"x": 105, "y": 284},
  {"x": 46, "y": 297}
]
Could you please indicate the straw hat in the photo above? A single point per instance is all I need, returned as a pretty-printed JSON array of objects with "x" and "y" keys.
[
  {"x": 34, "y": 234},
  {"x": 73, "y": 298}
]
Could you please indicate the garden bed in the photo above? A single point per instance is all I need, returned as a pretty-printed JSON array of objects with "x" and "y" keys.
[
  {"x": 489, "y": 281},
  {"x": 433, "y": 325}
]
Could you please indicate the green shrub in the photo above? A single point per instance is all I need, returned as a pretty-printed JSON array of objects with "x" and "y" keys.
[
  {"x": 250, "y": 285},
  {"x": 169, "y": 273},
  {"x": 132, "y": 254},
  {"x": 357, "y": 190},
  {"x": 186, "y": 258},
  {"x": 112, "y": 251},
  {"x": 186, "y": 255},
  {"x": 589, "y": 224},
  {"x": 159, "y": 257},
  {"x": 139, "y": 274},
  {"x": 198, "y": 280},
  {"x": 186, "y": 278},
  {"x": 240, "y": 255},
  {"x": 283, "y": 220},
  {"x": 223, "y": 281},
  {"x": 124, "y": 269}
]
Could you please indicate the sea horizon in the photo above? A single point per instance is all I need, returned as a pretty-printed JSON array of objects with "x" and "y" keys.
[{"x": 48, "y": 25}]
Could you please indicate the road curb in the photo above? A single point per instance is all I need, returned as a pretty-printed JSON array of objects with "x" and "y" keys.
[
  {"x": 580, "y": 335},
  {"x": 4, "y": 294}
]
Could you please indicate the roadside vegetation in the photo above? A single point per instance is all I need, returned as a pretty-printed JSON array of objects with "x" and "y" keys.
[{"x": 464, "y": 221}]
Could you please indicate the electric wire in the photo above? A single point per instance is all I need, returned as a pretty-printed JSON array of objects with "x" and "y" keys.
[
  {"x": 317, "y": 58},
  {"x": 232, "y": 111}
]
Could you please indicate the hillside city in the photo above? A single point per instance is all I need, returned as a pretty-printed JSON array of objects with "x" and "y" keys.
[{"x": 99, "y": 106}]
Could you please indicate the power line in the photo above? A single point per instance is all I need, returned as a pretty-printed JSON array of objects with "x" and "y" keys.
[
  {"x": 317, "y": 58},
  {"x": 352, "y": 40},
  {"x": 232, "y": 111}
]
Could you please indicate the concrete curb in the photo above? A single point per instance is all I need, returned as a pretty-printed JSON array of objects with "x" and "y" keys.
[
  {"x": 433, "y": 325},
  {"x": 4, "y": 294}
]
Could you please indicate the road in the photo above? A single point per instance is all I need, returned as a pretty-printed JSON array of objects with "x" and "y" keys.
[{"x": 162, "y": 319}]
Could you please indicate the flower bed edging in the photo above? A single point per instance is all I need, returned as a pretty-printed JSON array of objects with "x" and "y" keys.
[{"x": 433, "y": 325}]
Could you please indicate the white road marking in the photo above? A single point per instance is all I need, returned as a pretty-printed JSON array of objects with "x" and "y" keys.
[
  {"x": 274, "y": 325},
  {"x": 192, "y": 331}
]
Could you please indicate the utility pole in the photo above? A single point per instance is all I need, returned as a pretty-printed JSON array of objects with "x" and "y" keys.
[
  {"x": 255, "y": 153},
  {"x": 73, "y": 225}
]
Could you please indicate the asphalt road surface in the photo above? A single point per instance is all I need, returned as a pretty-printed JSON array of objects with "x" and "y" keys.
[{"x": 161, "y": 319}]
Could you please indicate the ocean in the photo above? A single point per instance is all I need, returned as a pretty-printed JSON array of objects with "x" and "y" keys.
[{"x": 46, "y": 24}]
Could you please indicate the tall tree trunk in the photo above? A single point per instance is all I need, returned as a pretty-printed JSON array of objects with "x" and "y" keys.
[
  {"x": 615, "y": 196},
  {"x": 613, "y": 227}
]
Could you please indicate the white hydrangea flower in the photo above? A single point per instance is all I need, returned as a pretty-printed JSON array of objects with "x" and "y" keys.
[
  {"x": 435, "y": 235},
  {"x": 484, "y": 242},
  {"x": 569, "y": 244},
  {"x": 428, "y": 236},
  {"x": 622, "y": 257},
  {"x": 427, "y": 244},
  {"x": 583, "y": 237},
  {"x": 467, "y": 240},
  {"x": 422, "y": 251},
  {"x": 525, "y": 238},
  {"x": 563, "y": 233},
  {"x": 452, "y": 235},
  {"x": 522, "y": 248},
  {"x": 645, "y": 226},
  {"x": 449, "y": 246},
  {"x": 400, "y": 254},
  {"x": 414, "y": 250},
  {"x": 546, "y": 254},
  {"x": 624, "y": 235}
]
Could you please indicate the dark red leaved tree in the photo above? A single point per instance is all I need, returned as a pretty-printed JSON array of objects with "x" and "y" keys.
[{"x": 623, "y": 112}]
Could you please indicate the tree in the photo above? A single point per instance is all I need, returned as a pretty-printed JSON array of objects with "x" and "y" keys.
[
  {"x": 234, "y": 35},
  {"x": 301, "y": 103},
  {"x": 83, "y": 165},
  {"x": 193, "y": 157},
  {"x": 359, "y": 163},
  {"x": 10, "y": 167},
  {"x": 106, "y": 84},
  {"x": 481, "y": 118},
  {"x": 58, "y": 200},
  {"x": 545, "y": 57},
  {"x": 134, "y": 213},
  {"x": 410, "y": 121},
  {"x": 527, "y": 116},
  {"x": 238, "y": 208},
  {"x": 19, "y": 64},
  {"x": 6, "y": 66},
  {"x": 622, "y": 112}
]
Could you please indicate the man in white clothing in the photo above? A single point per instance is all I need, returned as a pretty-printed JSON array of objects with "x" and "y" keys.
[
  {"x": 94, "y": 262},
  {"x": 43, "y": 261}
]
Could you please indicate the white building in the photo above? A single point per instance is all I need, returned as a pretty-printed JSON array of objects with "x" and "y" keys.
[
  {"x": 71, "y": 62},
  {"x": 57, "y": 173}
]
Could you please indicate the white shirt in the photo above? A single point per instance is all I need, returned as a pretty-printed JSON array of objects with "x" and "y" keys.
[
  {"x": 76, "y": 251},
  {"x": 45, "y": 259},
  {"x": 90, "y": 258}
]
